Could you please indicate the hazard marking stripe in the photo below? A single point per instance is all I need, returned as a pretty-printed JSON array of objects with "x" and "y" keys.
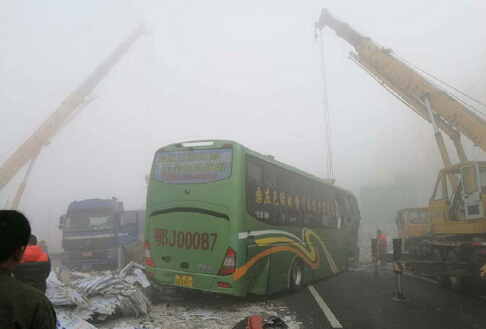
[{"x": 327, "y": 311}]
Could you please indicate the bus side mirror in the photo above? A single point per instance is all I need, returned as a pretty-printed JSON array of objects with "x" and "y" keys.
[{"x": 61, "y": 222}]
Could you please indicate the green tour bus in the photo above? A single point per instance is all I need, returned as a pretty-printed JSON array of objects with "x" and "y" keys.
[{"x": 225, "y": 219}]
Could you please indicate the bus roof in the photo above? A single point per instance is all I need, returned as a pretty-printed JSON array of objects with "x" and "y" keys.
[{"x": 218, "y": 143}]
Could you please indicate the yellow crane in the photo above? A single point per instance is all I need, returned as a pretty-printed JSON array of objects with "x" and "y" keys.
[
  {"x": 428, "y": 100},
  {"x": 68, "y": 109},
  {"x": 455, "y": 246}
]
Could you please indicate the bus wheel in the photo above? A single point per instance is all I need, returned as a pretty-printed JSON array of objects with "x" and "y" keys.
[
  {"x": 296, "y": 275},
  {"x": 457, "y": 283},
  {"x": 441, "y": 279}
]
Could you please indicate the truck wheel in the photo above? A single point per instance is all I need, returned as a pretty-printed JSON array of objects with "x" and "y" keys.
[
  {"x": 457, "y": 283},
  {"x": 296, "y": 275},
  {"x": 441, "y": 279},
  {"x": 123, "y": 258}
]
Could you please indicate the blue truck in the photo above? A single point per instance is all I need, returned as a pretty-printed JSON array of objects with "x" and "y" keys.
[{"x": 99, "y": 233}]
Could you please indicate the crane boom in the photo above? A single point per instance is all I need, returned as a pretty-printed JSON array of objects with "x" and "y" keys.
[
  {"x": 413, "y": 89},
  {"x": 70, "y": 107}
]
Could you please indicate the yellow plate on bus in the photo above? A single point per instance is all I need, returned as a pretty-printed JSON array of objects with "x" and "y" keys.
[
  {"x": 87, "y": 254},
  {"x": 183, "y": 280}
]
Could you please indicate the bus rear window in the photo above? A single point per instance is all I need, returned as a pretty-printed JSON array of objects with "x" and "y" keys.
[{"x": 193, "y": 167}]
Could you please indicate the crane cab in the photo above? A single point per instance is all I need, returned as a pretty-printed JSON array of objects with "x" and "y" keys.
[
  {"x": 413, "y": 225},
  {"x": 458, "y": 203}
]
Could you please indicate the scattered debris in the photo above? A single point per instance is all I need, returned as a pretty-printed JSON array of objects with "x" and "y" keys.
[
  {"x": 205, "y": 311},
  {"x": 100, "y": 297},
  {"x": 91, "y": 296}
]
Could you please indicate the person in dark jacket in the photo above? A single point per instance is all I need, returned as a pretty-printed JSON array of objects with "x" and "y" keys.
[{"x": 21, "y": 306}]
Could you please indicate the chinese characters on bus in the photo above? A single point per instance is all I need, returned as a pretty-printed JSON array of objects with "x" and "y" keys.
[
  {"x": 186, "y": 167},
  {"x": 267, "y": 196}
]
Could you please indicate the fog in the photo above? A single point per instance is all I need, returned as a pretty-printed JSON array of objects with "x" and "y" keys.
[{"x": 247, "y": 71}]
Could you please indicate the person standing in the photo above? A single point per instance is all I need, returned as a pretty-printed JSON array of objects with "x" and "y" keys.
[
  {"x": 381, "y": 243},
  {"x": 34, "y": 253},
  {"x": 34, "y": 267},
  {"x": 21, "y": 305}
]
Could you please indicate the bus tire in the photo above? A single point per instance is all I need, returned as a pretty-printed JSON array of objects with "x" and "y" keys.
[
  {"x": 296, "y": 275},
  {"x": 441, "y": 279}
]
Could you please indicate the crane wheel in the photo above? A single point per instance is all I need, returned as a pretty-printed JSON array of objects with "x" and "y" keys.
[
  {"x": 457, "y": 283},
  {"x": 441, "y": 279}
]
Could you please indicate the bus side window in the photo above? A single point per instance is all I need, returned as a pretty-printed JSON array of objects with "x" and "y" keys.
[
  {"x": 270, "y": 183},
  {"x": 255, "y": 190},
  {"x": 255, "y": 173},
  {"x": 284, "y": 193},
  {"x": 295, "y": 214}
]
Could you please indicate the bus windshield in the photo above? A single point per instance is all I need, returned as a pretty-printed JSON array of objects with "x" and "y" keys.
[{"x": 193, "y": 167}]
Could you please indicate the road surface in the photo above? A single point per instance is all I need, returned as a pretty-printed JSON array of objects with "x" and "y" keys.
[
  {"x": 357, "y": 299},
  {"x": 354, "y": 299}
]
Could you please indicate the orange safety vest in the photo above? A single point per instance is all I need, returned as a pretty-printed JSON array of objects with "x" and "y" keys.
[
  {"x": 34, "y": 254},
  {"x": 381, "y": 239}
]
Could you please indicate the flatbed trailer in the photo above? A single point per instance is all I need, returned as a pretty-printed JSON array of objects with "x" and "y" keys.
[{"x": 449, "y": 272}]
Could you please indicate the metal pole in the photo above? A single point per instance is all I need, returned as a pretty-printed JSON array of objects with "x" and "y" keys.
[
  {"x": 397, "y": 268},
  {"x": 374, "y": 257},
  {"x": 431, "y": 114},
  {"x": 440, "y": 143}
]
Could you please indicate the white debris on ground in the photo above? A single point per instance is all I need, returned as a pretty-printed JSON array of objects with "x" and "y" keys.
[
  {"x": 204, "y": 311},
  {"x": 103, "y": 297},
  {"x": 99, "y": 295}
]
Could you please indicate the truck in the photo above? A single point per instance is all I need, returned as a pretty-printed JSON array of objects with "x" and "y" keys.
[
  {"x": 413, "y": 226},
  {"x": 99, "y": 233},
  {"x": 452, "y": 247}
]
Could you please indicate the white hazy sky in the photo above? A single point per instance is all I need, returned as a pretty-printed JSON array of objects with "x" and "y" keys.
[{"x": 247, "y": 71}]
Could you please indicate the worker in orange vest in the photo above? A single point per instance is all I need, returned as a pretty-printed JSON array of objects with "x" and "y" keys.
[
  {"x": 381, "y": 242},
  {"x": 33, "y": 253}
]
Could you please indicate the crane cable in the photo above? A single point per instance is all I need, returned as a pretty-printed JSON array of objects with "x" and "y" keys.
[
  {"x": 446, "y": 84},
  {"x": 325, "y": 104}
]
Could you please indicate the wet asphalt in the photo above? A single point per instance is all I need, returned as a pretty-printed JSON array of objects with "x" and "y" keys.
[{"x": 359, "y": 300}]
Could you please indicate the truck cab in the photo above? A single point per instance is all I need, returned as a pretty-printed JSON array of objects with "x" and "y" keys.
[
  {"x": 99, "y": 233},
  {"x": 458, "y": 203},
  {"x": 413, "y": 225}
]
